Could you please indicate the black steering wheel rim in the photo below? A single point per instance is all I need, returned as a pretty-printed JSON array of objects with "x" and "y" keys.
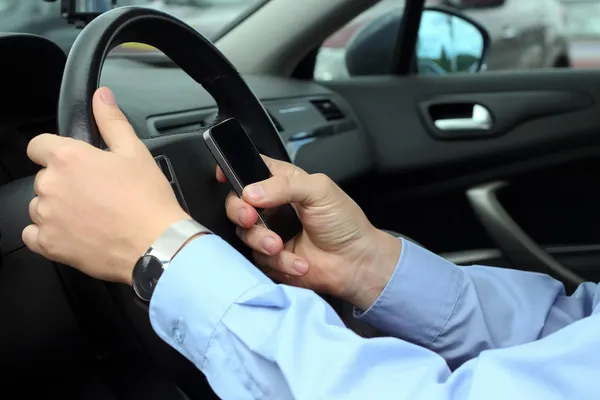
[
  {"x": 191, "y": 51},
  {"x": 203, "y": 62}
]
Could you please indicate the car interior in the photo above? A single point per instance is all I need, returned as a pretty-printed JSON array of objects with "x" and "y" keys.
[{"x": 493, "y": 168}]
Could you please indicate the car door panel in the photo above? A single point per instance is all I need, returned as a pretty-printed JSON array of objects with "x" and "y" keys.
[
  {"x": 547, "y": 148},
  {"x": 505, "y": 110},
  {"x": 583, "y": 260},
  {"x": 402, "y": 141}
]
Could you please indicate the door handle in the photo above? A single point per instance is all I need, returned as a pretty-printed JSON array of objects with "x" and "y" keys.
[
  {"x": 480, "y": 119},
  {"x": 512, "y": 241}
]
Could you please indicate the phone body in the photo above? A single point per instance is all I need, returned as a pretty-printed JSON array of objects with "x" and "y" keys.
[{"x": 236, "y": 154}]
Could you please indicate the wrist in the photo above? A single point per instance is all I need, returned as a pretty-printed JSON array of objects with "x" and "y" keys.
[
  {"x": 376, "y": 270},
  {"x": 143, "y": 239}
]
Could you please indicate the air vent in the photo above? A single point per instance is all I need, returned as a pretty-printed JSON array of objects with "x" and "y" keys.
[
  {"x": 179, "y": 129},
  {"x": 328, "y": 109},
  {"x": 275, "y": 122},
  {"x": 181, "y": 123}
]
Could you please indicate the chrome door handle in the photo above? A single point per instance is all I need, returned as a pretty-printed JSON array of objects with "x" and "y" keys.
[{"x": 481, "y": 119}]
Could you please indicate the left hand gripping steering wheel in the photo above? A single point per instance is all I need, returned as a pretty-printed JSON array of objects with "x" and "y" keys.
[{"x": 206, "y": 65}]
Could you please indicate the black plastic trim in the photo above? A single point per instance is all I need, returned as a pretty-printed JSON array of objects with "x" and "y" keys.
[
  {"x": 407, "y": 38},
  {"x": 514, "y": 243}
]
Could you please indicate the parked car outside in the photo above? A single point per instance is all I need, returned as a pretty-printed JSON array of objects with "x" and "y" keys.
[
  {"x": 583, "y": 30},
  {"x": 524, "y": 34}
]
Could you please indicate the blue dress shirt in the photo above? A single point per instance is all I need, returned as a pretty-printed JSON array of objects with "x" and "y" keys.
[{"x": 459, "y": 332}]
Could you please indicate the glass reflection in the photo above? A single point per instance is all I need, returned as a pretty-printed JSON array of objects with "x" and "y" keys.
[{"x": 448, "y": 44}]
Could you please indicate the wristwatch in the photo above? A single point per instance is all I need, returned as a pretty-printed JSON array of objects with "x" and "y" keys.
[{"x": 156, "y": 259}]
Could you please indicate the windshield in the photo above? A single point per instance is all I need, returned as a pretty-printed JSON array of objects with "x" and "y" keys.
[
  {"x": 583, "y": 18},
  {"x": 210, "y": 17}
]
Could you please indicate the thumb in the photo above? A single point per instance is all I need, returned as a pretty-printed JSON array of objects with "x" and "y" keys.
[
  {"x": 305, "y": 189},
  {"x": 116, "y": 131}
]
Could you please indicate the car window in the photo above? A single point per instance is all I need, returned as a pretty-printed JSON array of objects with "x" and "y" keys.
[
  {"x": 38, "y": 17},
  {"x": 583, "y": 19},
  {"x": 523, "y": 35},
  {"x": 381, "y": 20},
  {"x": 367, "y": 44},
  {"x": 6, "y": 5}
]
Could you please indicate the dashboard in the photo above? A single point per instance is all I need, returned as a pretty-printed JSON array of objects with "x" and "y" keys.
[{"x": 164, "y": 104}]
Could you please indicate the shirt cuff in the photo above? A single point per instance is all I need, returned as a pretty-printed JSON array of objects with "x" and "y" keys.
[
  {"x": 419, "y": 299},
  {"x": 204, "y": 279}
]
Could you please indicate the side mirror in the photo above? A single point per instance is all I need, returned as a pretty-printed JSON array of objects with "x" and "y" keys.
[{"x": 448, "y": 42}]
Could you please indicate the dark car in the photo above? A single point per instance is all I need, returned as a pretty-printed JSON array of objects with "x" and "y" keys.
[{"x": 525, "y": 34}]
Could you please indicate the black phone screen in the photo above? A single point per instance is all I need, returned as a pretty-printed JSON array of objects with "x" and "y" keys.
[
  {"x": 240, "y": 153},
  {"x": 247, "y": 164}
]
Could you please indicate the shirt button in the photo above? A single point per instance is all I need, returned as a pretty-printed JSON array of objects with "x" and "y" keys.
[{"x": 178, "y": 333}]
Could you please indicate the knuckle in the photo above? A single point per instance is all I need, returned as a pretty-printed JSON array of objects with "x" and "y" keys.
[
  {"x": 287, "y": 184},
  {"x": 42, "y": 210},
  {"x": 42, "y": 184},
  {"x": 322, "y": 181},
  {"x": 31, "y": 146},
  {"x": 33, "y": 214},
  {"x": 229, "y": 200},
  {"x": 65, "y": 155},
  {"x": 279, "y": 262},
  {"x": 46, "y": 243}
]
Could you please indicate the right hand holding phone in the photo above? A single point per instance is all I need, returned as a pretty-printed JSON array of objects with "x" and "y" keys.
[{"x": 338, "y": 252}]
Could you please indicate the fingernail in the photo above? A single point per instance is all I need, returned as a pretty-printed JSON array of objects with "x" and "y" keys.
[
  {"x": 300, "y": 266},
  {"x": 107, "y": 96},
  {"x": 268, "y": 244},
  {"x": 255, "y": 192},
  {"x": 241, "y": 215}
]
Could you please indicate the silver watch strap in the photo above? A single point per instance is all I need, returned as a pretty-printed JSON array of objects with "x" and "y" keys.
[{"x": 171, "y": 241}]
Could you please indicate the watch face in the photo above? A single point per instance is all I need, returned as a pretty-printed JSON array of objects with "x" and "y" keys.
[{"x": 146, "y": 273}]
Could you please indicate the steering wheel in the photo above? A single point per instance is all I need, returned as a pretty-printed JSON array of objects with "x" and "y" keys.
[{"x": 191, "y": 161}]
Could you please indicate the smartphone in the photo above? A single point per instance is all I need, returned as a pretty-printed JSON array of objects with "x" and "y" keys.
[{"x": 241, "y": 163}]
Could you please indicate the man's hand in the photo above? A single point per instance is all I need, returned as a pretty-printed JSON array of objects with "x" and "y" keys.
[
  {"x": 96, "y": 210},
  {"x": 338, "y": 252}
]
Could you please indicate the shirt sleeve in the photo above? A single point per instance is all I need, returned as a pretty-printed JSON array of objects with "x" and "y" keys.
[
  {"x": 460, "y": 311},
  {"x": 254, "y": 339}
]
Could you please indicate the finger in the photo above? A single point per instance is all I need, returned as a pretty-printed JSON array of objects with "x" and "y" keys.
[
  {"x": 278, "y": 167},
  {"x": 116, "y": 131},
  {"x": 38, "y": 182},
  {"x": 284, "y": 262},
  {"x": 261, "y": 239},
  {"x": 33, "y": 214},
  {"x": 239, "y": 212},
  {"x": 41, "y": 147},
  {"x": 30, "y": 238},
  {"x": 313, "y": 190},
  {"x": 220, "y": 175}
]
